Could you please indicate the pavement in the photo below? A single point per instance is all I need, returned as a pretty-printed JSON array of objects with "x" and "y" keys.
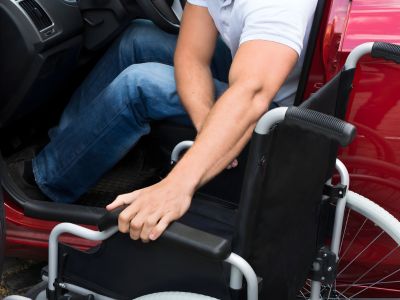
[{"x": 19, "y": 275}]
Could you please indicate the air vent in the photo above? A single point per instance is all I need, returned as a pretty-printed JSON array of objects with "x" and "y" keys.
[{"x": 36, "y": 13}]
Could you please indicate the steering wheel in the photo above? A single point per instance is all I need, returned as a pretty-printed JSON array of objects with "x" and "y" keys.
[{"x": 163, "y": 13}]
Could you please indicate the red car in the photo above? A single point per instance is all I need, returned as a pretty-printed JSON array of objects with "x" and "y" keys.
[{"x": 47, "y": 47}]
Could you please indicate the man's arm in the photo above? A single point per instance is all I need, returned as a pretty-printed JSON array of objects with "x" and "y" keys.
[
  {"x": 193, "y": 55},
  {"x": 194, "y": 51},
  {"x": 258, "y": 71}
]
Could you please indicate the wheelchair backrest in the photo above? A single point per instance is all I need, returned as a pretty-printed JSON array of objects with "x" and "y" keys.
[{"x": 279, "y": 210}]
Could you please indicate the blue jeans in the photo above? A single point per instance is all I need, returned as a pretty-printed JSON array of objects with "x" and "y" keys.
[{"x": 130, "y": 86}]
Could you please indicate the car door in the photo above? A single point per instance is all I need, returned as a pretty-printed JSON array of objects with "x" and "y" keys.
[{"x": 2, "y": 232}]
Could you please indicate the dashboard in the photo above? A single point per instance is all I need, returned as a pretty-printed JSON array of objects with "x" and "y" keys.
[{"x": 41, "y": 42}]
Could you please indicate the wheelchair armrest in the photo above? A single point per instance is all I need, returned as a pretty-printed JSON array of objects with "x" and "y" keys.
[
  {"x": 200, "y": 241},
  {"x": 197, "y": 240}
]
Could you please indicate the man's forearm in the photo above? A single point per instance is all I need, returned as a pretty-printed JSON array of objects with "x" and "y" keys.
[
  {"x": 195, "y": 87},
  {"x": 225, "y": 132},
  {"x": 193, "y": 54}
]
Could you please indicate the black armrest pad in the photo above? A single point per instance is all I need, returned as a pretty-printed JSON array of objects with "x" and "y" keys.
[
  {"x": 110, "y": 219},
  {"x": 61, "y": 212},
  {"x": 202, "y": 242}
]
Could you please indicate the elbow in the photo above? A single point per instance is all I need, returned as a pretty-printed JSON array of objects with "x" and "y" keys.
[{"x": 258, "y": 94}]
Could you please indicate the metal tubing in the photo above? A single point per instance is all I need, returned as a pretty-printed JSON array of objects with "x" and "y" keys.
[
  {"x": 315, "y": 290},
  {"x": 337, "y": 226},
  {"x": 269, "y": 119},
  {"x": 74, "y": 230},
  {"x": 178, "y": 149},
  {"x": 376, "y": 214},
  {"x": 82, "y": 291},
  {"x": 340, "y": 208},
  {"x": 236, "y": 279},
  {"x": 356, "y": 54},
  {"x": 248, "y": 272}
]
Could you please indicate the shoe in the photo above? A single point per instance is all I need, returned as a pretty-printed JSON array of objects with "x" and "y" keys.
[{"x": 30, "y": 189}]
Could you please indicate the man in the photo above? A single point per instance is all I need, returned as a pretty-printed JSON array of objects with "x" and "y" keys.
[{"x": 134, "y": 83}]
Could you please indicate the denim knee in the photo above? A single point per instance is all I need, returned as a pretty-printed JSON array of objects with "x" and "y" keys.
[
  {"x": 151, "y": 90},
  {"x": 147, "y": 75},
  {"x": 134, "y": 86},
  {"x": 140, "y": 39}
]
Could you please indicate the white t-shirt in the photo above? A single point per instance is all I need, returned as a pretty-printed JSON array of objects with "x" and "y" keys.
[{"x": 283, "y": 21}]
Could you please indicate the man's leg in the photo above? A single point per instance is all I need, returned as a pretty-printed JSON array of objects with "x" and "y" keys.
[
  {"x": 103, "y": 133},
  {"x": 141, "y": 42}
]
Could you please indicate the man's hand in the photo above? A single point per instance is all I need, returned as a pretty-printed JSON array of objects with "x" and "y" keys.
[{"x": 152, "y": 209}]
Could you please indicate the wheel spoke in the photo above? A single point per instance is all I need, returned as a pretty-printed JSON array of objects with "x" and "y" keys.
[
  {"x": 369, "y": 283},
  {"x": 307, "y": 290},
  {"x": 303, "y": 295},
  {"x": 352, "y": 241},
  {"x": 359, "y": 254},
  {"x": 330, "y": 291},
  {"x": 374, "y": 284},
  {"x": 370, "y": 269},
  {"x": 344, "y": 230}
]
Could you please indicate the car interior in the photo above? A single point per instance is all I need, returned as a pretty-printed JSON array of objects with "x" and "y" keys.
[{"x": 48, "y": 47}]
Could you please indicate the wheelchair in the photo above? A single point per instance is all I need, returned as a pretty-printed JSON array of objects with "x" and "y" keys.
[{"x": 263, "y": 248}]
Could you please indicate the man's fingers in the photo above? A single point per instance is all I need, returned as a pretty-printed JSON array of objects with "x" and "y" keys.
[
  {"x": 116, "y": 203},
  {"x": 148, "y": 225},
  {"x": 161, "y": 226},
  {"x": 123, "y": 199},
  {"x": 136, "y": 226},
  {"x": 125, "y": 217}
]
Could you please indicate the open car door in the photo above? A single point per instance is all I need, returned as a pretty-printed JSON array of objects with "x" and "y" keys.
[{"x": 2, "y": 232}]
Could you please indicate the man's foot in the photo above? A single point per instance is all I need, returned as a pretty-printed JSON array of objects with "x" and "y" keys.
[
  {"x": 22, "y": 175},
  {"x": 27, "y": 173}
]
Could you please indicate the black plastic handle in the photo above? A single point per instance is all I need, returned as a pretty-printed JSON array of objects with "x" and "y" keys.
[
  {"x": 387, "y": 51},
  {"x": 320, "y": 123},
  {"x": 200, "y": 241},
  {"x": 110, "y": 219},
  {"x": 197, "y": 240}
]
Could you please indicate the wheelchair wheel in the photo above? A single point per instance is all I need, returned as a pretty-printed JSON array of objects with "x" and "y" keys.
[
  {"x": 369, "y": 257},
  {"x": 175, "y": 296},
  {"x": 37, "y": 292}
]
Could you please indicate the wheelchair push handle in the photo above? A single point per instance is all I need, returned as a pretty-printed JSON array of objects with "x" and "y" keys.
[
  {"x": 329, "y": 126},
  {"x": 387, "y": 51},
  {"x": 376, "y": 49}
]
